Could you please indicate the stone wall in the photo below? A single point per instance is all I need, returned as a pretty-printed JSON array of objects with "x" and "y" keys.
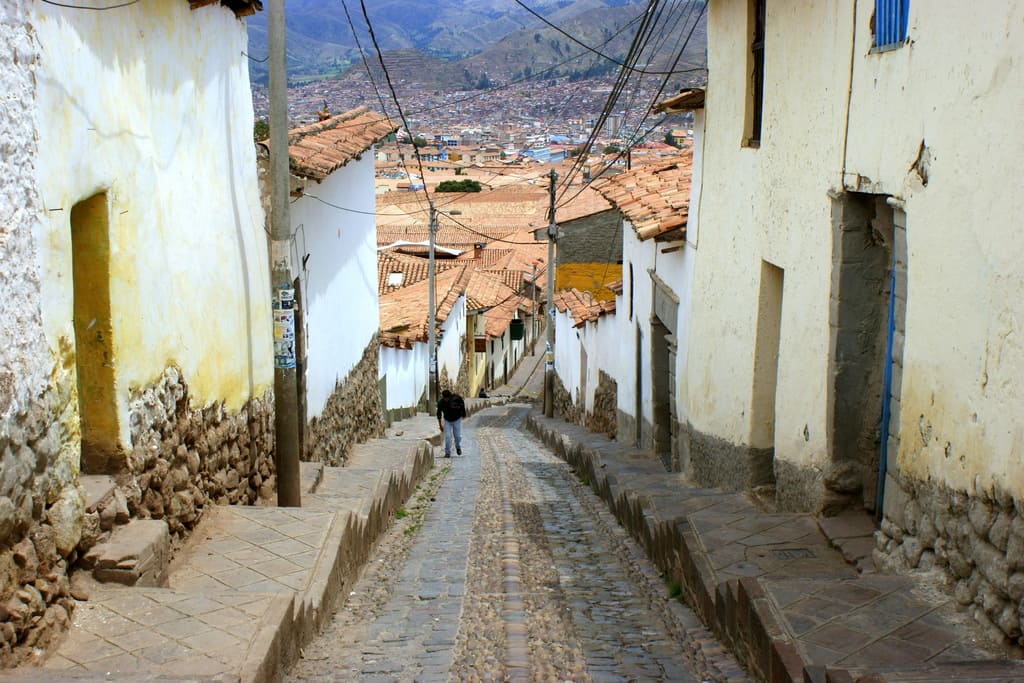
[
  {"x": 353, "y": 413},
  {"x": 592, "y": 239},
  {"x": 564, "y": 405},
  {"x": 976, "y": 539},
  {"x": 461, "y": 383},
  {"x": 40, "y": 525},
  {"x": 184, "y": 458},
  {"x": 606, "y": 399},
  {"x": 40, "y": 504}
]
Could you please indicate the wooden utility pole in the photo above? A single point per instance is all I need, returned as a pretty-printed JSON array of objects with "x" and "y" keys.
[
  {"x": 549, "y": 361},
  {"x": 286, "y": 423},
  {"x": 432, "y": 315}
]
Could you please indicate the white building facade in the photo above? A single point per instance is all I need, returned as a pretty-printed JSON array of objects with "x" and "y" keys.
[{"x": 856, "y": 286}]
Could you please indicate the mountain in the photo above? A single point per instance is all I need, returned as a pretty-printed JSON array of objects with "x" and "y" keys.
[{"x": 461, "y": 42}]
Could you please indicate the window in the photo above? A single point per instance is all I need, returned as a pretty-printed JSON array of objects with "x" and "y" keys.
[
  {"x": 890, "y": 23},
  {"x": 755, "y": 95}
]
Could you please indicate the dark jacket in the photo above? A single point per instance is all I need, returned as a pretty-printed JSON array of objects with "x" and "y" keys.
[{"x": 451, "y": 408}]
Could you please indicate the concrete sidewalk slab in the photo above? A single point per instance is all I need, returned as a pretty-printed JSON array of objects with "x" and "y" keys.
[
  {"x": 791, "y": 594},
  {"x": 252, "y": 584}
]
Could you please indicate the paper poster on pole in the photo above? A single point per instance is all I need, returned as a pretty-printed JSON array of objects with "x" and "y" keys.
[{"x": 284, "y": 328}]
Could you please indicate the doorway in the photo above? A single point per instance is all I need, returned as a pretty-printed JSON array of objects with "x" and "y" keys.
[
  {"x": 94, "y": 338},
  {"x": 766, "y": 364},
  {"x": 661, "y": 391},
  {"x": 868, "y": 301}
]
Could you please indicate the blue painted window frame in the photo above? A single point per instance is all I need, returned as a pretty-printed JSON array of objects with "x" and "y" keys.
[{"x": 891, "y": 18}]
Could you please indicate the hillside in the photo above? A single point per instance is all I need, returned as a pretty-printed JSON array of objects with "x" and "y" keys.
[{"x": 496, "y": 38}]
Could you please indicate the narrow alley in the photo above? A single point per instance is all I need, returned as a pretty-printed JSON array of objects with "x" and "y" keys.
[{"x": 504, "y": 566}]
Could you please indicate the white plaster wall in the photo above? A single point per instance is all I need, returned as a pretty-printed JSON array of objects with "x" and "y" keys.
[
  {"x": 406, "y": 370},
  {"x": 451, "y": 347},
  {"x": 600, "y": 339},
  {"x": 567, "y": 352},
  {"x": 641, "y": 255},
  {"x": 25, "y": 362},
  {"x": 676, "y": 270},
  {"x": 959, "y": 88},
  {"x": 769, "y": 203},
  {"x": 153, "y": 106},
  {"x": 340, "y": 275}
]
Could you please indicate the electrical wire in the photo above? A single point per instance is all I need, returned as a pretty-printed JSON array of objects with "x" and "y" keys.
[
  {"x": 587, "y": 47},
  {"x": 394, "y": 96},
  {"x": 95, "y": 9}
]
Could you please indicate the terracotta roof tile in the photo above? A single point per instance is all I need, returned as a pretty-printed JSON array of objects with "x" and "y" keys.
[
  {"x": 581, "y": 306},
  {"x": 581, "y": 204},
  {"x": 318, "y": 149},
  {"x": 654, "y": 198},
  {"x": 412, "y": 269},
  {"x": 404, "y": 312}
]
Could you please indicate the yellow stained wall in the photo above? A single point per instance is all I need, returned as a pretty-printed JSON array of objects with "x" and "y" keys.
[
  {"x": 152, "y": 109},
  {"x": 588, "y": 277}
]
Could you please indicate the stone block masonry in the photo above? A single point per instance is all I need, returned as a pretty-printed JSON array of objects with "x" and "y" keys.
[
  {"x": 976, "y": 539},
  {"x": 182, "y": 459},
  {"x": 353, "y": 413},
  {"x": 604, "y": 417}
]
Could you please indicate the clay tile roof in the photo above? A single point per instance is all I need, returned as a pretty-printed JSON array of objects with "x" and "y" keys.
[
  {"x": 581, "y": 306},
  {"x": 318, "y": 149},
  {"x": 616, "y": 287},
  {"x": 486, "y": 290},
  {"x": 404, "y": 313},
  {"x": 241, "y": 8},
  {"x": 654, "y": 198},
  {"x": 581, "y": 204},
  {"x": 411, "y": 269}
]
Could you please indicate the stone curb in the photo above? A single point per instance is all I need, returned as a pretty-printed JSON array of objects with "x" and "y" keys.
[
  {"x": 738, "y": 611},
  {"x": 269, "y": 651}
]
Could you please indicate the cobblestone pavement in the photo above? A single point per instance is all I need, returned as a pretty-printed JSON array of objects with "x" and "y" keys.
[{"x": 505, "y": 568}]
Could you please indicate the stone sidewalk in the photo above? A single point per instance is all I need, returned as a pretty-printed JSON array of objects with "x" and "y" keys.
[
  {"x": 252, "y": 584},
  {"x": 796, "y": 598}
]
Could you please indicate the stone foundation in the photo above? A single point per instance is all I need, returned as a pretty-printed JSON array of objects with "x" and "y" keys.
[
  {"x": 353, "y": 413},
  {"x": 181, "y": 460},
  {"x": 461, "y": 383},
  {"x": 976, "y": 539},
  {"x": 184, "y": 458},
  {"x": 564, "y": 405},
  {"x": 733, "y": 467},
  {"x": 40, "y": 524},
  {"x": 606, "y": 401}
]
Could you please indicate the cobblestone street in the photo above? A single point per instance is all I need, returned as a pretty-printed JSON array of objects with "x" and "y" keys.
[{"x": 504, "y": 567}]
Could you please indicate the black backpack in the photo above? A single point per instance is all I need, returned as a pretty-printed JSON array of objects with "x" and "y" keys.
[{"x": 457, "y": 404}]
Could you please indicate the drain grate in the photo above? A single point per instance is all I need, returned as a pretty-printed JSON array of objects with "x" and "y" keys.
[{"x": 792, "y": 553}]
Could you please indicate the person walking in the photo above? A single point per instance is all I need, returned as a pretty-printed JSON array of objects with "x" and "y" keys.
[{"x": 450, "y": 411}]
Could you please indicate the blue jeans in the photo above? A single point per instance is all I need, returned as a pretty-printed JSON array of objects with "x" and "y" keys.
[{"x": 452, "y": 429}]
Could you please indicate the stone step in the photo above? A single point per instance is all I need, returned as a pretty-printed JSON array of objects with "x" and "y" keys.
[
  {"x": 98, "y": 489},
  {"x": 136, "y": 554},
  {"x": 976, "y": 672}
]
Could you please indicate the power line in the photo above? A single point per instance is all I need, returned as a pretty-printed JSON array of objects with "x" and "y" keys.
[
  {"x": 95, "y": 9},
  {"x": 587, "y": 47},
  {"x": 394, "y": 94}
]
